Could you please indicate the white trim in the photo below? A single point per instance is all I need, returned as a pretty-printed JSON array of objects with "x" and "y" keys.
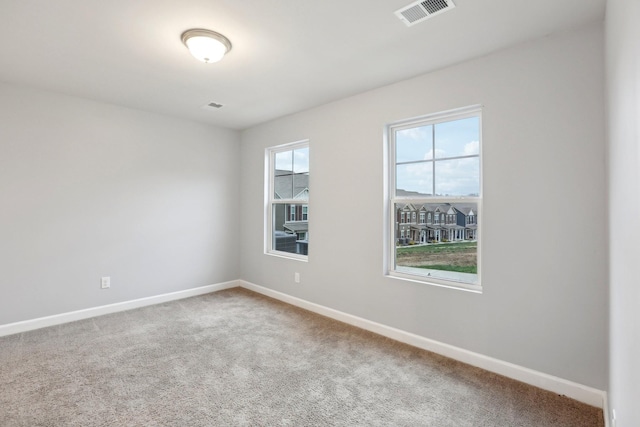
[
  {"x": 440, "y": 117},
  {"x": 582, "y": 393},
  {"x": 435, "y": 281},
  {"x": 57, "y": 319},
  {"x": 608, "y": 416},
  {"x": 391, "y": 199},
  {"x": 270, "y": 202}
]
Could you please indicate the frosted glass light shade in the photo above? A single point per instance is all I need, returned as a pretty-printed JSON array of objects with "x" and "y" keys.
[{"x": 206, "y": 45}]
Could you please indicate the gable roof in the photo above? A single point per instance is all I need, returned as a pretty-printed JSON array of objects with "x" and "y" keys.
[{"x": 288, "y": 185}]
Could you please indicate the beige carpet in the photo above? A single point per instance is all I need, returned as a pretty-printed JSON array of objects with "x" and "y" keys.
[{"x": 235, "y": 358}]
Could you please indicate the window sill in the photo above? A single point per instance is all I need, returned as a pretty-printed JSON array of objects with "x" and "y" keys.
[
  {"x": 288, "y": 255},
  {"x": 460, "y": 286}
]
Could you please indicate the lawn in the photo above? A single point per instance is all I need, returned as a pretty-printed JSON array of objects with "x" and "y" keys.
[{"x": 460, "y": 256}]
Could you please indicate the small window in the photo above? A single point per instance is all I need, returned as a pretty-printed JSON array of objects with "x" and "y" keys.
[
  {"x": 287, "y": 199},
  {"x": 434, "y": 169}
]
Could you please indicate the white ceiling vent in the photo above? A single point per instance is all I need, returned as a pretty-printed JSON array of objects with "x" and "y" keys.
[{"x": 423, "y": 9}]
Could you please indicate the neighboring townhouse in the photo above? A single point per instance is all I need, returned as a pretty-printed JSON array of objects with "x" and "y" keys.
[
  {"x": 292, "y": 219},
  {"x": 434, "y": 223}
]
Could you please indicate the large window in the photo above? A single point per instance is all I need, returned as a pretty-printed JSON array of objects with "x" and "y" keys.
[
  {"x": 287, "y": 200},
  {"x": 434, "y": 168}
]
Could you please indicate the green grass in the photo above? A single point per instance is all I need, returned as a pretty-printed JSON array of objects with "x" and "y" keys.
[
  {"x": 458, "y": 268},
  {"x": 457, "y": 256},
  {"x": 437, "y": 248}
]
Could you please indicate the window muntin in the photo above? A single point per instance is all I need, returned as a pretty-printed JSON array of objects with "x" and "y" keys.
[
  {"x": 287, "y": 211},
  {"x": 435, "y": 172}
]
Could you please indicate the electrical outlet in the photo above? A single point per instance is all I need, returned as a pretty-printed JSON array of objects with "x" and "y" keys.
[
  {"x": 105, "y": 282},
  {"x": 296, "y": 277},
  {"x": 613, "y": 418}
]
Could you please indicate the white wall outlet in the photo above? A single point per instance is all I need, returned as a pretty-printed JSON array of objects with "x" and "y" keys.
[
  {"x": 296, "y": 277},
  {"x": 105, "y": 282}
]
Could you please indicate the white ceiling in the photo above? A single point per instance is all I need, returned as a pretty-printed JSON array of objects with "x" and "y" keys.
[{"x": 287, "y": 56}]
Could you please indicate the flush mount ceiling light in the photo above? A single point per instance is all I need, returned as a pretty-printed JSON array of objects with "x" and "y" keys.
[{"x": 206, "y": 45}]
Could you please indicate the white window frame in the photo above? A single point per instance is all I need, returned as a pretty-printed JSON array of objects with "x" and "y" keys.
[
  {"x": 270, "y": 200},
  {"x": 391, "y": 199}
]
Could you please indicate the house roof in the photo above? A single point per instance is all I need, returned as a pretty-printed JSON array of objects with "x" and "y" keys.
[
  {"x": 297, "y": 226},
  {"x": 290, "y": 186}
]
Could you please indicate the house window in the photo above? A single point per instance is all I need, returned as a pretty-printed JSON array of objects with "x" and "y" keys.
[
  {"x": 287, "y": 198},
  {"x": 434, "y": 164}
]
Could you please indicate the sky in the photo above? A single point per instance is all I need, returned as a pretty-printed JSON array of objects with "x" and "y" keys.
[
  {"x": 293, "y": 160},
  {"x": 453, "y": 177}
]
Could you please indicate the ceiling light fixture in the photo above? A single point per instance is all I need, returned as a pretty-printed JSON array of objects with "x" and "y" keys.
[{"x": 206, "y": 45}]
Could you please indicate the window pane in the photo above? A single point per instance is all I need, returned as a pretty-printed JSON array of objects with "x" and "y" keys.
[
  {"x": 284, "y": 162},
  {"x": 290, "y": 228},
  {"x": 301, "y": 160},
  {"x": 459, "y": 177},
  {"x": 446, "y": 248},
  {"x": 283, "y": 178},
  {"x": 301, "y": 186},
  {"x": 283, "y": 186},
  {"x": 414, "y": 179},
  {"x": 458, "y": 138},
  {"x": 301, "y": 173},
  {"x": 414, "y": 144}
]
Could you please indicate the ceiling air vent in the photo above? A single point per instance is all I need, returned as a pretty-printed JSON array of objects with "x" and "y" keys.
[
  {"x": 419, "y": 11},
  {"x": 212, "y": 105}
]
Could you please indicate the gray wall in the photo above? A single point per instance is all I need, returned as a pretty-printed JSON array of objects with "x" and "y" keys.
[
  {"x": 623, "y": 83},
  {"x": 90, "y": 190},
  {"x": 544, "y": 304}
]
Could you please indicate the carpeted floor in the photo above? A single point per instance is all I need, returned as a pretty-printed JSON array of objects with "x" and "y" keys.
[{"x": 236, "y": 358}]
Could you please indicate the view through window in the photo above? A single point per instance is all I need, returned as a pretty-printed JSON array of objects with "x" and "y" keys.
[
  {"x": 288, "y": 200},
  {"x": 434, "y": 199}
]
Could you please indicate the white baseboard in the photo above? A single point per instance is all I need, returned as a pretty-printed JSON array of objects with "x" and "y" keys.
[
  {"x": 579, "y": 392},
  {"x": 43, "y": 322},
  {"x": 606, "y": 410}
]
